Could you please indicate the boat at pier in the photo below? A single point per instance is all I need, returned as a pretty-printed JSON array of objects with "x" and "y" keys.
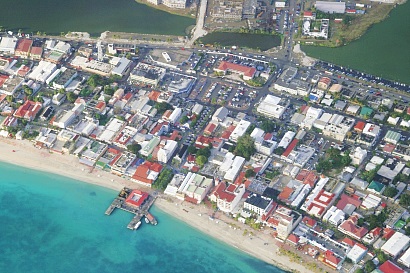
[
  {"x": 137, "y": 225},
  {"x": 146, "y": 220}
]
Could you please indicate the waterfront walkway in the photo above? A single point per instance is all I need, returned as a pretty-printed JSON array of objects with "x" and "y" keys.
[{"x": 199, "y": 30}]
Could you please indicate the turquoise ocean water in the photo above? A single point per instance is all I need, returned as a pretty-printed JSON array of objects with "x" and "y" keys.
[{"x": 50, "y": 223}]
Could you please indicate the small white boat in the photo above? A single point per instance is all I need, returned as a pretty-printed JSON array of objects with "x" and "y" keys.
[
  {"x": 137, "y": 225},
  {"x": 146, "y": 220}
]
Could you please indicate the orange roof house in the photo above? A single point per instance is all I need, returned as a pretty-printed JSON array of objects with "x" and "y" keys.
[
  {"x": 350, "y": 228},
  {"x": 28, "y": 110},
  {"x": 147, "y": 173},
  {"x": 23, "y": 47},
  {"x": 246, "y": 71}
]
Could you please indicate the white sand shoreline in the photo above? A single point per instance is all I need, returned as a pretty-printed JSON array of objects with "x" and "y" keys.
[{"x": 222, "y": 228}]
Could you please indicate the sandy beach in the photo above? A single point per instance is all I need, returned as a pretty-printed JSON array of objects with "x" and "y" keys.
[{"x": 260, "y": 245}]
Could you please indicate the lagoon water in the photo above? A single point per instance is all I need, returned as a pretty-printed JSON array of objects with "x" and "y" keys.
[
  {"x": 93, "y": 16},
  {"x": 51, "y": 223},
  {"x": 383, "y": 50}
]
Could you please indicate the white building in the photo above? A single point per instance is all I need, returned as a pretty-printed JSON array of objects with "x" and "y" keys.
[
  {"x": 358, "y": 155},
  {"x": 270, "y": 107},
  {"x": 8, "y": 45},
  {"x": 239, "y": 130},
  {"x": 312, "y": 114},
  {"x": 227, "y": 197},
  {"x": 396, "y": 245},
  {"x": 195, "y": 187},
  {"x": 121, "y": 66},
  {"x": 166, "y": 152},
  {"x": 42, "y": 71},
  {"x": 331, "y": 7},
  {"x": 176, "y": 114},
  {"x": 405, "y": 258},
  {"x": 371, "y": 129},
  {"x": 357, "y": 253},
  {"x": 334, "y": 216},
  {"x": 286, "y": 139},
  {"x": 69, "y": 116}
]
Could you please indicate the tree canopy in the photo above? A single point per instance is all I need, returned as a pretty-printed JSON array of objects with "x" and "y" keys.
[
  {"x": 390, "y": 192},
  {"x": 162, "y": 106},
  {"x": 201, "y": 160},
  {"x": 71, "y": 97},
  {"x": 134, "y": 148},
  {"x": 245, "y": 146},
  {"x": 249, "y": 173}
]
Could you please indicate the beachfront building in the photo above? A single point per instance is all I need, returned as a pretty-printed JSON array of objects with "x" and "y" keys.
[
  {"x": 195, "y": 187},
  {"x": 227, "y": 196},
  {"x": 146, "y": 173},
  {"x": 136, "y": 198},
  {"x": 23, "y": 48},
  {"x": 28, "y": 110},
  {"x": 283, "y": 220},
  {"x": 258, "y": 204},
  {"x": 120, "y": 165}
]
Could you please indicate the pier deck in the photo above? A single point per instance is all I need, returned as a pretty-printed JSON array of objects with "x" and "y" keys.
[{"x": 140, "y": 211}]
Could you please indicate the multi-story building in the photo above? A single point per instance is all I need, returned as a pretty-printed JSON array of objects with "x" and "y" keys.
[
  {"x": 226, "y": 196},
  {"x": 166, "y": 152}
]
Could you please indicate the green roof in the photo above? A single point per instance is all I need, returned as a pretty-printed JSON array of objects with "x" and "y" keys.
[
  {"x": 399, "y": 224},
  {"x": 376, "y": 186},
  {"x": 393, "y": 135},
  {"x": 366, "y": 111}
]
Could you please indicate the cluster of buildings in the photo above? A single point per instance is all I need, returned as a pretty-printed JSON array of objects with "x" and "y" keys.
[{"x": 274, "y": 186}]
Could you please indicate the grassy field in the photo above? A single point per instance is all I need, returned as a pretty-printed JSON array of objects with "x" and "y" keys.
[{"x": 360, "y": 24}]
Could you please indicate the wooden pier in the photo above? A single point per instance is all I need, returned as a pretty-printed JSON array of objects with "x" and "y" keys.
[{"x": 138, "y": 205}]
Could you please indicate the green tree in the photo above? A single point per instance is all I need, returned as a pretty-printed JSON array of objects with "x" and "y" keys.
[
  {"x": 9, "y": 98},
  {"x": 204, "y": 152},
  {"x": 279, "y": 151},
  {"x": 359, "y": 270},
  {"x": 134, "y": 148},
  {"x": 201, "y": 160},
  {"x": 162, "y": 106},
  {"x": 109, "y": 90},
  {"x": 404, "y": 200},
  {"x": 95, "y": 80},
  {"x": 245, "y": 146},
  {"x": 382, "y": 257},
  {"x": 192, "y": 150},
  {"x": 71, "y": 97},
  {"x": 369, "y": 266},
  {"x": 27, "y": 90},
  {"x": 184, "y": 119},
  {"x": 267, "y": 125},
  {"x": 390, "y": 192},
  {"x": 250, "y": 173}
]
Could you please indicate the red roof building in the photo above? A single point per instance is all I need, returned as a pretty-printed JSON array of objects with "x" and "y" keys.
[
  {"x": 346, "y": 200},
  {"x": 226, "y": 196},
  {"x": 330, "y": 259},
  {"x": 202, "y": 142},
  {"x": 23, "y": 47},
  {"x": 246, "y": 71},
  {"x": 359, "y": 126},
  {"x": 36, "y": 52},
  {"x": 348, "y": 242},
  {"x": 390, "y": 267},
  {"x": 320, "y": 203},
  {"x": 290, "y": 148},
  {"x": 28, "y": 110},
  {"x": 154, "y": 95},
  {"x": 23, "y": 70},
  {"x": 210, "y": 128},
  {"x": 350, "y": 228},
  {"x": 388, "y": 148},
  {"x": 387, "y": 233},
  {"x": 309, "y": 222},
  {"x": 136, "y": 198},
  {"x": 147, "y": 173},
  {"x": 293, "y": 239}
]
